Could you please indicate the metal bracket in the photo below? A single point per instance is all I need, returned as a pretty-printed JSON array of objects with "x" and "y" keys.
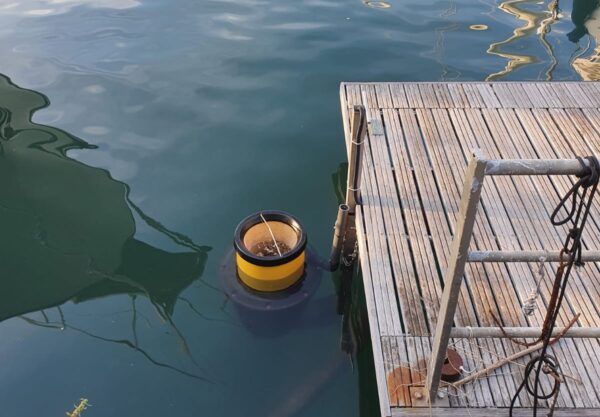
[
  {"x": 528, "y": 256},
  {"x": 420, "y": 398},
  {"x": 375, "y": 127}
]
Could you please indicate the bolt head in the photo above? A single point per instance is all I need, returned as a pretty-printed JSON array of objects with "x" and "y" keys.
[{"x": 418, "y": 395}]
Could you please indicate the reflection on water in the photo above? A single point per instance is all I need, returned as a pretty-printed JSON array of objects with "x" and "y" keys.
[
  {"x": 440, "y": 42},
  {"x": 377, "y": 4},
  {"x": 586, "y": 19},
  {"x": 536, "y": 22},
  {"x": 208, "y": 110},
  {"x": 49, "y": 7},
  {"x": 68, "y": 229}
]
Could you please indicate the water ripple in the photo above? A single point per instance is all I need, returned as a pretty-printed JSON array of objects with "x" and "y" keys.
[
  {"x": 43, "y": 8},
  {"x": 299, "y": 26}
]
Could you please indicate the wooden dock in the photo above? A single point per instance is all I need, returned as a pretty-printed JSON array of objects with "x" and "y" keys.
[{"x": 420, "y": 139}]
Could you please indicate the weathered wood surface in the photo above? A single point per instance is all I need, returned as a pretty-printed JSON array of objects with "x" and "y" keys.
[
  {"x": 420, "y": 138},
  {"x": 489, "y": 412}
]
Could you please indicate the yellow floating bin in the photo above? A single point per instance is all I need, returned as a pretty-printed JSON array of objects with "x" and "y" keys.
[{"x": 270, "y": 250}]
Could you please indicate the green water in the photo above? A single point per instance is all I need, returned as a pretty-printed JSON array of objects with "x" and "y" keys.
[{"x": 135, "y": 134}]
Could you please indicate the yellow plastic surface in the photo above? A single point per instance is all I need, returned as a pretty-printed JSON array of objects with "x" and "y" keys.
[{"x": 270, "y": 278}]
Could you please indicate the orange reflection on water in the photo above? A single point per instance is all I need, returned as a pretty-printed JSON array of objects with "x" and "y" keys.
[{"x": 535, "y": 22}]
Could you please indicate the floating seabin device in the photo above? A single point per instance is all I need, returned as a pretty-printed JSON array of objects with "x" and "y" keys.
[
  {"x": 271, "y": 272},
  {"x": 270, "y": 251}
]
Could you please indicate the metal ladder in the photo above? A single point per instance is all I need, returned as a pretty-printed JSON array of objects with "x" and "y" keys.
[{"x": 478, "y": 169}]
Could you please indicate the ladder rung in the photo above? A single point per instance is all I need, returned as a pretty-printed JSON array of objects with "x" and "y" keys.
[
  {"x": 534, "y": 167},
  {"x": 522, "y": 332},
  {"x": 527, "y": 256}
]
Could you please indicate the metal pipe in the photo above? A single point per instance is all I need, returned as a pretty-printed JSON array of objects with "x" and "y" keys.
[
  {"x": 457, "y": 259},
  {"x": 339, "y": 231},
  {"x": 522, "y": 332},
  {"x": 536, "y": 167},
  {"x": 342, "y": 239},
  {"x": 528, "y": 256},
  {"x": 357, "y": 136}
]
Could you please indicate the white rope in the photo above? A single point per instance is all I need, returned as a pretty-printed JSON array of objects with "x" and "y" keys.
[
  {"x": 470, "y": 329},
  {"x": 272, "y": 235},
  {"x": 530, "y": 303}
]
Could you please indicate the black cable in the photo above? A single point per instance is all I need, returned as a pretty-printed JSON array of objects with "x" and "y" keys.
[{"x": 572, "y": 248}]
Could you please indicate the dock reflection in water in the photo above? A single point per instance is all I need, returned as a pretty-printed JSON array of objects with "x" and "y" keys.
[
  {"x": 68, "y": 230},
  {"x": 536, "y": 22},
  {"x": 586, "y": 19}
]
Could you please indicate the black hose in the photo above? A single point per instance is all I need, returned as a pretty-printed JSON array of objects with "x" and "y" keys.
[{"x": 572, "y": 247}]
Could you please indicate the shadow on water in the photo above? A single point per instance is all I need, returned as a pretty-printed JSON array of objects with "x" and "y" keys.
[
  {"x": 68, "y": 229},
  {"x": 351, "y": 305},
  {"x": 586, "y": 20}
]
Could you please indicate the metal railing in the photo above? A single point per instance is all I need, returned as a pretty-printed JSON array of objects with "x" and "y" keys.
[{"x": 478, "y": 169}]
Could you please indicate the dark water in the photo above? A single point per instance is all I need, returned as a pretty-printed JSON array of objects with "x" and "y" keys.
[{"x": 169, "y": 122}]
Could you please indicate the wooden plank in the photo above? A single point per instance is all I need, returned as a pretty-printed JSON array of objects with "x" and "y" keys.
[
  {"x": 566, "y": 100},
  {"x": 353, "y": 95},
  {"x": 419, "y": 197},
  {"x": 549, "y": 94},
  {"x": 369, "y": 97},
  {"x": 489, "y": 96},
  {"x": 424, "y": 203},
  {"x": 398, "y": 96},
  {"x": 488, "y": 412},
  {"x": 391, "y": 376},
  {"x": 379, "y": 259},
  {"x": 408, "y": 276},
  {"x": 387, "y": 193},
  {"x": 372, "y": 315},
  {"x": 458, "y": 95},
  {"x": 536, "y": 98},
  {"x": 413, "y": 95},
  {"x": 504, "y": 95},
  {"x": 583, "y": 99},
  {"x": 592, "y": 91},
  {"x": 428, "y": 96},
  {"x": 473, "y": 96},
  {"x": 441, "y": 212},
  {"x": 443, "y": 95},
  {"x": 517, "y": 92},
  {"x": 384, "y": 96},
  {"x": 401, "y": 364}
]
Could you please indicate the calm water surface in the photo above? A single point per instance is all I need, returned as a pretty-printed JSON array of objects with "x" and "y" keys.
[{"x": 135, "y": 134}]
